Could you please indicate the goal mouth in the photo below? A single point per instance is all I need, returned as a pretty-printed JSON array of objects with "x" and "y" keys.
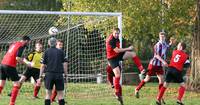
[{"x": 83, "y": 34}]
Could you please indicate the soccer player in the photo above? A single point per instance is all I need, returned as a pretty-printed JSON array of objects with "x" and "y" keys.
[
  {"x": 8, "y": 66},
  {"x": 34, "y": 71},
  {"x": 53, "y": 63},
  {"x": 174, "y": 73},
  {"x": 156, "y": 63},
  {"x": 115, "y": 54},
  {"x": 59, "y": 45}
]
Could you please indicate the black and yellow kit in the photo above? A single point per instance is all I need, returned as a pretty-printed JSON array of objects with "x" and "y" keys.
[{"x": 34, "y": 71}]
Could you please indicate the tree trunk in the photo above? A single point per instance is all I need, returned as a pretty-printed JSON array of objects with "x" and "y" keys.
[{"x": 194, "y": 79}]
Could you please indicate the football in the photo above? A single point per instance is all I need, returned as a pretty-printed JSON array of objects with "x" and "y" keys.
[{"x": 53, "y": 31}]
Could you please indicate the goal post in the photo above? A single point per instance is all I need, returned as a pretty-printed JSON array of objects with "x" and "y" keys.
[{"x": 84, "y": 42}]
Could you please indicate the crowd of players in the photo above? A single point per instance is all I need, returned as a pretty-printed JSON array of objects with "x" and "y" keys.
[
  {"x": 54, "y": 63},
  {"x": 179, "y": 58}
]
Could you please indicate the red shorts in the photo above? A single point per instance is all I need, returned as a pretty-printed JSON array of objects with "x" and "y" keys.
[{"x": 152, "y": 70}]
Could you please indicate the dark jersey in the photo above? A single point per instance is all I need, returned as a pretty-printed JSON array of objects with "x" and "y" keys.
[
  {"x": 15, "y": 50},
  {"x": 54, "y": 59},
  {"x": 178, "y": 59},
  {"x": 112, "y": 43}
]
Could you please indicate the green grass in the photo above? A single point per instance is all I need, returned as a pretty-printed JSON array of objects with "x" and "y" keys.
[{"x": 101, "y": 94}]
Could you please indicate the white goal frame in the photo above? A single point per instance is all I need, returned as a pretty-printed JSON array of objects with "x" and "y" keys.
[{"x": 117, "y": 14}]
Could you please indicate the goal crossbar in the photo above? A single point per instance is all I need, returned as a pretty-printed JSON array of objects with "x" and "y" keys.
[{"x": 118, "y": 14}]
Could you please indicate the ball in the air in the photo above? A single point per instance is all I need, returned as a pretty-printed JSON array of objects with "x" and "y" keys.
[{"x": 53, "y": 31}]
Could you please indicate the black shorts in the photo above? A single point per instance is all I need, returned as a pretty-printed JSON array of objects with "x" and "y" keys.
[
  {"x": 173, "y": 75},
  {"x": 8, "y": 72},
  {"x": 114, "y": 62},
  {"x": 52, "y": 79},
  {"x": 32, "y": 72}
]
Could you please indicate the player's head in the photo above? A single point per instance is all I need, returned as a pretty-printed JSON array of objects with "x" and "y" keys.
[
  {"x": 116, "y": 32},
  {"x": 38, "y": 45},
  {"x": 181, "y": 46},
  {"x": 26, "y": 39},
  {"x": 59, "y": 44},
  {"x": 162, "y": 36},
  {"x": 52, "y": 42}
]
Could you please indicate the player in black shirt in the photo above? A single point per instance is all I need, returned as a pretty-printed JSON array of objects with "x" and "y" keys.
[{"x": 53, "y": 63}]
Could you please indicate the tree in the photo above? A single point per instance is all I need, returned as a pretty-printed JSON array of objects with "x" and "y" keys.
[{"x": 194, "y": 80}]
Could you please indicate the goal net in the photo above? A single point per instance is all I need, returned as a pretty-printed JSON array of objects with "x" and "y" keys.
[{"x": 84, "y": 35}]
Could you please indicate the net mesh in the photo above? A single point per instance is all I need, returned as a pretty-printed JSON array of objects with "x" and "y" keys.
[{"x": 84, "y": 43}]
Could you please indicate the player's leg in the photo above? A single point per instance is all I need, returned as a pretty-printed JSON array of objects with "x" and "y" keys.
[
  {"x": 169, "y": 77},
  {"x": 115, "y": 64},
  {"x": 141, "y": 84},
  {"x": 181, "y": 90},
  {"x": 61, "y": 99},
  {"x": 2, "y": 84},
  {"x": 22, "y": 79},
  {"x": 144, "y": 81},
  {"x": 47, "y": 97},
  {"x": 161, "y": 93},
  {"x": 118, "y": 90},
  {"x": 12, "y": 73},
  {"x": 54, "y": 94},
  {"x": 2, "y": 78},
  {"x": 59, "y": 85},
  {"x": 110, "y": 75},
  {"x": 161, "y": 80},
  {"x": 117, "y": 86},
  {"x": 181, "y": 93},
  {"x": 160, "y": 72},
  {"x": 35, "y": 75},
  {"x": 48, "y": 82},
  {"x": 135, "y": 58}
]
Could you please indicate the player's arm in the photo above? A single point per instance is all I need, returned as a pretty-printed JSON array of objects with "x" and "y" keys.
[
  {"x": 28, "y": 59},
  {"x": 119, "y": 50},
  {"x": 65, "y": 65},
  {"x": 19, "y": 55},
  {"x": 156, "y": 55},
  {"x": 42, "y": 67}
]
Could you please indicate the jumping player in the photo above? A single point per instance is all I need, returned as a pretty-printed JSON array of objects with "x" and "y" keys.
[
  {"x": 174, "y": 73},
  {"x": 115, "y": 54},
  {"x": 8, "y": 66}
]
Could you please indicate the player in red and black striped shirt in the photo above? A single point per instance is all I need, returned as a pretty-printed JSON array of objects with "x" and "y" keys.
[
  {"x": 115, "y": 54},
  {"x": 178, "y": 59},
  {"x": 8, "y": 66}
]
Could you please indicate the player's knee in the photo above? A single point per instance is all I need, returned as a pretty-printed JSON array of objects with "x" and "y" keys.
[
  {"x": 22, "y": 79},
  {"x": 2, "y": 83},
  {"x": 17, "y": 83},
  {"x": 147, "y": 78},
  {"x": 48, "y": 94},
  {"x": 60, "y": 95},
  {"x": 165, "y": 84},
  {"x": 133, "y": 54}
]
